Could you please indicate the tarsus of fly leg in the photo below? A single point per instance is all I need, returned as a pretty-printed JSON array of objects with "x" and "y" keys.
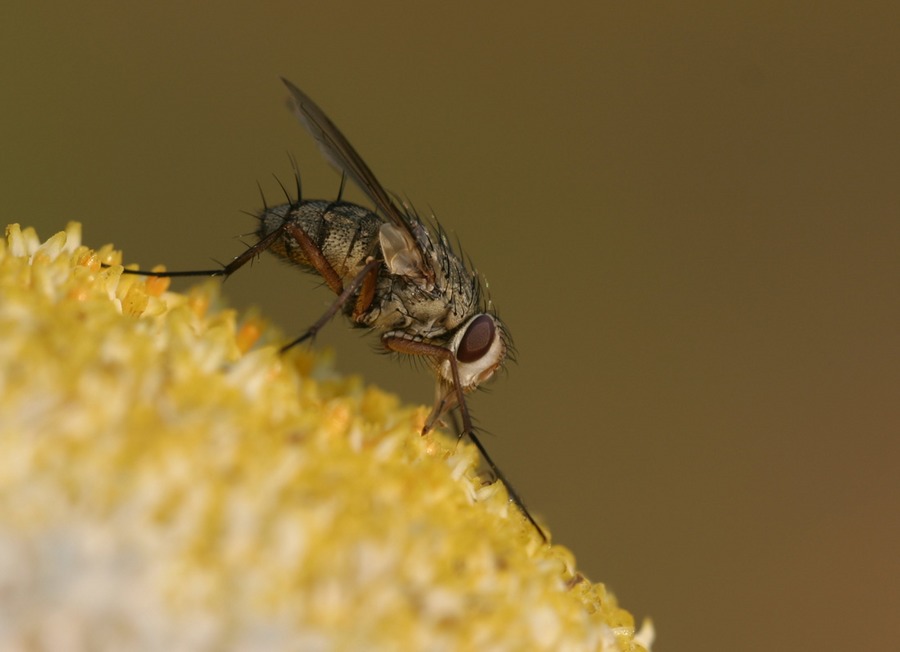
[{"x": 226, "y": 270}]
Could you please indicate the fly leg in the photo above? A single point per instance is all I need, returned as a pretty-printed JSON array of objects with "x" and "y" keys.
[
  {"x": 312, "y": 252},
  {"x": 369, "y": 269},
  {"x": 411, "y": 347},
  {"x": 316, "y": 258},
  {"x": 364, "y": 281},
  {"x": 226, "y": 270}
]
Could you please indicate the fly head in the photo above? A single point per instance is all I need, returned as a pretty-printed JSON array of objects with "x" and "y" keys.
[{"x": 477, "y": 349}]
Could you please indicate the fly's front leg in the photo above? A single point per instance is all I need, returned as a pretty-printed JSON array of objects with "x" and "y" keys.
[{"x": 411, "y": 347}]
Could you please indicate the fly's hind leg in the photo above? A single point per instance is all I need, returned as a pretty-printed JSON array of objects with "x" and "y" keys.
[
  {"x": 226, "y": 270},
  {"x": 316, "y": 259}
]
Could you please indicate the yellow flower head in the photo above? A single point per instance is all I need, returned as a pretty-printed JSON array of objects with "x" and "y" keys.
[{"x": 170, "y": 482}]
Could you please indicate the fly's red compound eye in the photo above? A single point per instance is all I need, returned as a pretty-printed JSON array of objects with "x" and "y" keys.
[{"x": 477, "y": 340}]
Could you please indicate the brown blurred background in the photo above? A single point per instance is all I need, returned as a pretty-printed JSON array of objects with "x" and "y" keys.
[{"x": 688, "y": 216}]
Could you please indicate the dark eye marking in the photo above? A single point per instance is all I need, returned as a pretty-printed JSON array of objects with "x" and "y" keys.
[{"x": 477, "y": 340}]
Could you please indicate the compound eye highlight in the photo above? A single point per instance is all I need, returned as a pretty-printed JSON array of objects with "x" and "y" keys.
[{"x": 477, "y": 339}]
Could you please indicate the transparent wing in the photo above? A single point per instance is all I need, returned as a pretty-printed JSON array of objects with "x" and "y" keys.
[{"x": 338, "y": 151}]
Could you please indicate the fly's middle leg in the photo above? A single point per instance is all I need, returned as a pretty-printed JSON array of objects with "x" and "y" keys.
[
  {"x": 370, "y": 268},
  {"x": 366, "y": 294},
  {"x": 365, "y": 281}
]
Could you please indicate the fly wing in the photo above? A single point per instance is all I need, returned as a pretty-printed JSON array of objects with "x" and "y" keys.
[{"x": 338, "y": 151}]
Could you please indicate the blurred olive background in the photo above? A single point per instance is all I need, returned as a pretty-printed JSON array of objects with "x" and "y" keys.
[{"x": 688, "y": 216}]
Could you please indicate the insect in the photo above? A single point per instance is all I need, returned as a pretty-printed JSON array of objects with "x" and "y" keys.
[{"x": 391, "y": 274}]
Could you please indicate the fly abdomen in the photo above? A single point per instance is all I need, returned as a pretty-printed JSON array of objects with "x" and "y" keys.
[{"x": 346, "y": 234}]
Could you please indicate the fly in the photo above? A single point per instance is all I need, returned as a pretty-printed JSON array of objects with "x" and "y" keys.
[{"x": 391, "y": 274}]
